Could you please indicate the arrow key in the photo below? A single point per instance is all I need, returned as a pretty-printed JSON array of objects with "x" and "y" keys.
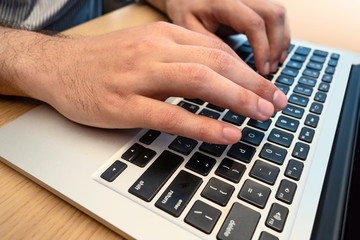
[
  {"x": 294, "y": 169},
  {"x": 144, "y": 157},
  {"x": 113, "y": 171}
]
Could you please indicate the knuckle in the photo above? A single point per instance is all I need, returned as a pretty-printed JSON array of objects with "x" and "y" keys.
[
  {"x": 168, "y": 121},
  {"x": 256, "y": 23},
  {"x": 279, "y": 13},
  {"x": 197, "y": 75}
]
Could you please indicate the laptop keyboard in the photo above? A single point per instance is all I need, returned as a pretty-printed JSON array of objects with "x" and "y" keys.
[{"x": 233, "y": 192}]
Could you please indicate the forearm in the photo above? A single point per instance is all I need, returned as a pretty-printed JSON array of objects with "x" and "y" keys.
[{"x": 26, "y": 60}]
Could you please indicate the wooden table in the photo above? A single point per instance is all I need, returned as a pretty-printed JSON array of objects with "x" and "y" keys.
[{"x": 28, "y": 211}]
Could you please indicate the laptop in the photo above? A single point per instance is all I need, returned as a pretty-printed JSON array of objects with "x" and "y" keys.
[{"x": 290, "y": 177}]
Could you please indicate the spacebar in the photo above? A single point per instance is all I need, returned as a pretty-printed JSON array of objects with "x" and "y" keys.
[{"x": 150, "y": 182}]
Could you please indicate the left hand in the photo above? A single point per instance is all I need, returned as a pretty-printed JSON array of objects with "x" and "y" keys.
[{"x": 262, "y": 21}]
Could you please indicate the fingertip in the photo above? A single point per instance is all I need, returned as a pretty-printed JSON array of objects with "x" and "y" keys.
[
  {"x": 265, "y": 69},
  {"x": 231, "y": 134},
  {"x": 265, "y": 109},
  {"x": 283, "y": 56},
  {"x": 279, "y": 100}
]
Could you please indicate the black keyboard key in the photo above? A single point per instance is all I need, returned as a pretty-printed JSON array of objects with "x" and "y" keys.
[
  {"x": 324, "y": 87},
  {"x": 242, "y": 152},
  {"x": 314, "y": 66},
  {"x": 320, "y": 97},
  {"x": 307, "y": 81},
  {"x": 113, "y": 171},
  {"x": 240, "y": 223},
  {"x": 320, "y": 53},
  {"x": 254, "y": 193},
  {"x": 291, "y": 47},
  {"x": 252, "y": 136},
  {"x": 285, "y": 80},
  {"x": 149, "y": 137},
  {"x": 203, "y": 216},
  {"x": 317, "y": 59},
  {"x": 195, "y": 100},
  {"x": 183, "y": 145},
  {"x": 307, "y": 134},
  {"x": 294, "y": 169},
  {"x": 201, "y": 163},
  {"x": 262, "y": 125},
  {"x": 280, "y": 137},
  {"x": 311, "y": 73},
  {"x": 287, "y": 123},
  {"x": 303, "y": 50},
  {"x": 189, "y": 106},
  {"x": 316, "y": 108},
  {"x": 134, "y": 151},
  {"x": 330, "y": 70},
  {"x": 213, "y": 149},
  {"x": 269, "y": 77},
  {"x": 307, "y": 91},
  {"x": 327, "y": 78},
  {"x": 283, "y": 88},
  {"x": 298, "y": 58},
  {"x": 210, "y": 114},
  {"x": 312, "y": 120},
  {"x": 294, "y": 64},
  {"x": 144, "y": 158},
  {"x": 277, "y": 217},
  {"x": 290, "y": 72},
  {"x": 298, "y": 100},
  {"x": 301, "y": 151},
  {"x": 335, "y": 56},
  {"x": 332, "y": 63},
  {"x": 273, "y": 153},
  {"x": 267, "y": 236},
  {"x": 214, "y": 107},
  {"x": 286, "y": 191},
  {"x": 230, "y": 170},
  {"x": 218, "y": 191},
  {"x": 243, "y": 52},
  {"x": 150, "y": 182},
  {"x": 178, "y": 193},
  {"x": 293, "y": 111},
  {"x": 265, "y": 172},
  {"x": 233, "y": 118}
]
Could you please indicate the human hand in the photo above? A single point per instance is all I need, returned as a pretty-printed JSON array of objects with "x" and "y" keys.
[
  {"x": 119, "y": 80},
  {"x": 264, "y": 23}
]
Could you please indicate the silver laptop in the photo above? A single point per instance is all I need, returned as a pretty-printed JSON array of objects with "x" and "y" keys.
[{"x": 288, "y": 178}]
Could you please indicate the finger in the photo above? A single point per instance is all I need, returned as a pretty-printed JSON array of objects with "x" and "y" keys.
[
  {"x": 188, "y": 72},
  {"x": 244, "y": 20},
  {"x": 175, "y": 120},
  {"x": 198, "y": 81},
  {"x": 274, "y": 16}
]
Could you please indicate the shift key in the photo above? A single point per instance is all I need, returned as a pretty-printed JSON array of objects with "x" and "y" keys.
[{"x": 150, "y": 182}]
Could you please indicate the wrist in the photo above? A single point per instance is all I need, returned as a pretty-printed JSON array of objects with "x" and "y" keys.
[{"x": 30, "y": 63}]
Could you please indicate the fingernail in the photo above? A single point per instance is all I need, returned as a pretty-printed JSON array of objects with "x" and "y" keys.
[
  {"x": 267, "y": 68},
  {"x": 265, "y": 108},
  {"x": 231, "y": 134},
  {"x": 274, "y": 66},
  {"x": 283, "y": 56},
  {"x": 279, "y": 100}
]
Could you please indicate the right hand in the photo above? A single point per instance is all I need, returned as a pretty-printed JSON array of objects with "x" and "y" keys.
[{"x": 120, "y": 79}]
